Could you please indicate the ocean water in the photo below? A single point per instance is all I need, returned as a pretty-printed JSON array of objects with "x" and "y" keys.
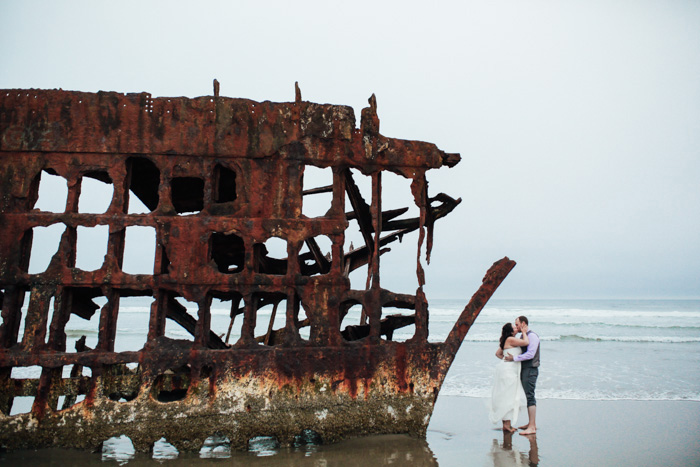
[{"x": 590, "y": 349}]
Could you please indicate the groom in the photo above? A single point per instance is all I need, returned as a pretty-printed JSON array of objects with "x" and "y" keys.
[{"x": 529, "y": 370}]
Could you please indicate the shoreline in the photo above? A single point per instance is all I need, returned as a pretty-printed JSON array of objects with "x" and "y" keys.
[{"x": 570, "y": 432}]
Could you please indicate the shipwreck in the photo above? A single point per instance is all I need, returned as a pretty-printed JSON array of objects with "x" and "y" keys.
[{"x": 219, "y": 177}]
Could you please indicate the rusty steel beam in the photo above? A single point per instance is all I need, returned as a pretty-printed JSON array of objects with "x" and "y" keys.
[{"x": 218, "y": 177}]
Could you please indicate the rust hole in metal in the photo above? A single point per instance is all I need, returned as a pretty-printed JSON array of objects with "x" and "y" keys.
[
  {"x": 96, "y": 193},
  {"x": 316, "y": 256},
  {"x": 172, "y": 385},
  {"x": 144, "y": 180},
  {"x": 139, "y": 249},
  {"x": 45, "y": 242},
  {"x": 187, "y": 194},
  {"x": 52, "y": 192},
  {"x": 317, "y": 191},
  {"x": 91, "y": 247},
  {"x": 270, "y": 256},
  {"x": 227, "y": 252},
  {"x": 224, "y": 184}
]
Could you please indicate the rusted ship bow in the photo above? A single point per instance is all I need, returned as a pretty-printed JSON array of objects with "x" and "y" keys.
[{"x": 218, "y": 178}]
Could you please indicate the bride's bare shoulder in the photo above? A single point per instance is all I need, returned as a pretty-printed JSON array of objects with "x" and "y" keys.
[{"x": 510, "y": 343}]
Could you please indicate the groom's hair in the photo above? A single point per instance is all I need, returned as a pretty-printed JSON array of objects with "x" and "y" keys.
[{"x": 523, "y": 319}]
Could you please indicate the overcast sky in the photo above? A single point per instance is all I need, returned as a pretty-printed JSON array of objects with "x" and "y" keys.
[{"x": 578, "y": 122}]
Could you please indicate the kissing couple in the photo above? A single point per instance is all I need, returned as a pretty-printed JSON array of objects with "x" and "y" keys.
[{"x": 515, "y": 377}]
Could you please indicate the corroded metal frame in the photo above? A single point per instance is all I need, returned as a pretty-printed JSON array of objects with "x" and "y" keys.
[{"x": 238, "y": 165}]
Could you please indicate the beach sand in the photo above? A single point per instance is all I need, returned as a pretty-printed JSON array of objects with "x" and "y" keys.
[{"x": 570, "y": 433}]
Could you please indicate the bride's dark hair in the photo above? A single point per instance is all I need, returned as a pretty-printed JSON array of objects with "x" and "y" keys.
[{"x": 506, "y": 332}]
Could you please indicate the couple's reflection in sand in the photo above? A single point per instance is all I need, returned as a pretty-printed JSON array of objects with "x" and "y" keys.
[{"x": 505, "y": 455}]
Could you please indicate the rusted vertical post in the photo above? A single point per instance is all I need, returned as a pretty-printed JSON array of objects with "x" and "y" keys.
[
  {"x": 158, "y": 312},
  {"x": 201, "y": 337},
  {"x": 375, "y": 291},
  {"x": 57, "y": 327},
  {"x": 6, "y": 395},
  {"x": 37, "y": 313},
  {"x": 249, "y": 320},
  {"x": 419, "y": 188},
  {"x": 108, "y": 322},
  {"x": 74, "y": 190},
  {"x": 11, "y": 315}
]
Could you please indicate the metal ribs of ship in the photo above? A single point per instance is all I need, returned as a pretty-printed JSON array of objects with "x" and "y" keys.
[{"x": 220, "y": 188}]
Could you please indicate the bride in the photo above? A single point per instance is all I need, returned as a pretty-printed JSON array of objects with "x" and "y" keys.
[{"x": 507, "y": 395}]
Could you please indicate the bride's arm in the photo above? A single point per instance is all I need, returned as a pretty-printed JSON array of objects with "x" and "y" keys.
[
  {"x": 518, "y": 342},
  {"x": 499, "y": 353}
]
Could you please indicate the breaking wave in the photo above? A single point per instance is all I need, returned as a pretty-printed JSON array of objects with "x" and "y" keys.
[{"x": 578, "y": 338}]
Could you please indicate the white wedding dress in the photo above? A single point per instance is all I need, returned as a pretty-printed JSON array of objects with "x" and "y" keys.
[{"x": 507, "y": 394}]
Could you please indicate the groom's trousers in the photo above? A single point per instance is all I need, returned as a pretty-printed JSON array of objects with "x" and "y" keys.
[{"x": 528, "y": 377}]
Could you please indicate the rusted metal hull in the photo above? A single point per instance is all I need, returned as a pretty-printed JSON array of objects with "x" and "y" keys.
[
  {"x": 219, "y": 178},
  {"x": 259, "y": 396}
]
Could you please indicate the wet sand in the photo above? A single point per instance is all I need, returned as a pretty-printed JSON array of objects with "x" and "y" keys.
[{"x": 572, "y": 433}]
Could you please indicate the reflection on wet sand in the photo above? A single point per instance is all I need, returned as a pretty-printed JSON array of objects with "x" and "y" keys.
[
  {"x": 360, "y": 452},
  {"x": 504, "y": 455}
]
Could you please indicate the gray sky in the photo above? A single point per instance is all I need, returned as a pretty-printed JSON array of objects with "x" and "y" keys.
[{"x": 578, "y": 122}]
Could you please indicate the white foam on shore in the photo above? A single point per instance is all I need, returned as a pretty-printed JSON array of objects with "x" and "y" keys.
[{"x": 572, "y": 394}]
